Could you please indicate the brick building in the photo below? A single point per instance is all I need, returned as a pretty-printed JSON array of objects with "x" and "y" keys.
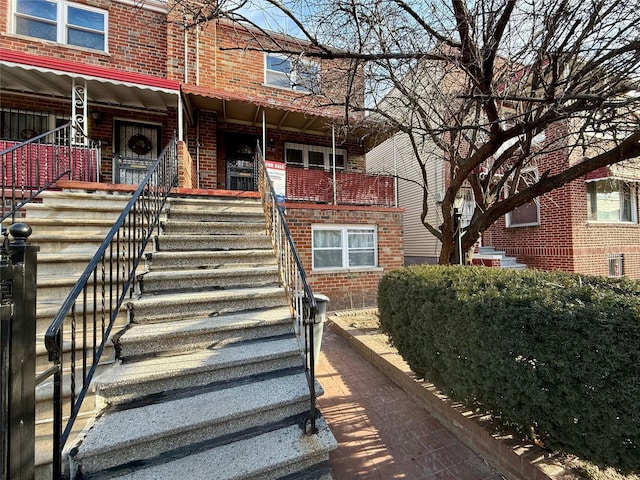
[
  {"x": 587, "y": 226},
  {"x": 131, "y": 78}
]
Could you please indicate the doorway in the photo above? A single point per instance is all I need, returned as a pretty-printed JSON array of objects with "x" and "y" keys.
[
  {"x": 240, "y": 164},
  {"x": 136, "y": 148}
]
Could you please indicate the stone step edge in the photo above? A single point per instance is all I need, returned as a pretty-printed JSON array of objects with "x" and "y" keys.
[
  {"x": 162, "y": 367},
  {"x": 189, "y": 413},
  {"x": 280, "y": 450},
  {"x": 189, "y": 327}
]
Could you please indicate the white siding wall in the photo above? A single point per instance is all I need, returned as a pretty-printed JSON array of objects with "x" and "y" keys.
[{"x": 418, "y": 241}]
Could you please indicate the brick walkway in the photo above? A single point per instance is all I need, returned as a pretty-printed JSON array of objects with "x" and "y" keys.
[{"x": 382, "y": 433}]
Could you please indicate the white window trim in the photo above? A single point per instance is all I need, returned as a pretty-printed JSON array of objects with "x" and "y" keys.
[
  {"x": 536, "y": 201},
  {"x": 344, "y": 229},
  {"x": 61, "y": 23},
  {"x": 326, "y": 151},
  {"x": 292, "y": 76},
  {"x": 634, "y": 205}
]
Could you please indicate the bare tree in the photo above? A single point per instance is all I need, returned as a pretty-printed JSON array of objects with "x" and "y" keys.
[{"x": 480, "y": 82}]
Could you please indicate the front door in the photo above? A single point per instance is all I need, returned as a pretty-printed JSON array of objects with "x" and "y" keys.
[
  {"x": 136, "y": 148},
  {"x": 240, "y": 165}
]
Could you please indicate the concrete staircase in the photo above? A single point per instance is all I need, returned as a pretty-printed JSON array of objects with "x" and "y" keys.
[
  {"x": 505, "y": 261},
  {"x": 209, "y": 380},
  {"x": 68, "y": 227}
]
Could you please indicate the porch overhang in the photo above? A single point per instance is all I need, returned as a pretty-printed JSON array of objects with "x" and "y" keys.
[
  {"x": 35, "y": 75},
  {"x": 293, "y": 117}
]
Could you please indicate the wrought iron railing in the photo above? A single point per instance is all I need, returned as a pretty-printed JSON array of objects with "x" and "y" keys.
[
  {"x": 89, "y": 312},
  {"x": 292, "y": 275},
  {"x": 30, "y": 167}
]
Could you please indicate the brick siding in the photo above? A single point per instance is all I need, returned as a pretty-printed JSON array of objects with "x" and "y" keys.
[
  {"x": 348, "y": 289},
  {"x": 565, "y": 240}
]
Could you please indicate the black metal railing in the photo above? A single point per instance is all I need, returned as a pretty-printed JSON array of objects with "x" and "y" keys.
[
  {"x": 27, "y": 168},
  {"x": 17, "y": 353},
  {"x": 79, "y": 332},
  {"x": 292, "y": 276}
]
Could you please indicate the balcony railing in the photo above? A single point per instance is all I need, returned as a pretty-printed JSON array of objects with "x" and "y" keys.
[
  {"x": 30, "y": 167},
  {"x": 311, "y": 185}
]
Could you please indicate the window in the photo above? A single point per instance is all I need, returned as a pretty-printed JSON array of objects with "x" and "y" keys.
[
  {"x": 616, "y": 265},
  {"x": 62, "y": 22},
  {"x": 311, "y": 156},
  {"x": 284, "y": 72},
  {"x": 611, "y": 201},
  {"x": 343, "y": 246},
  {"x": 526, "y": 215},
  {"x": 22, "y": 125}
]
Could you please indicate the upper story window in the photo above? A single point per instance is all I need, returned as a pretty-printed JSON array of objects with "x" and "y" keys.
[
  {"x": 62, "y": 22},
  {"x": 611, "y": 201},
  {"x": 312, "y": 156},
  {"x": 285, "y": 72}
]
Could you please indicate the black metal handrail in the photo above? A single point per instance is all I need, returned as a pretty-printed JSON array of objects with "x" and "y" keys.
[
  {"x": 90, "y": 310},
  {"x": 294, "y": 279},
  {"x": 30, "y": 167}
]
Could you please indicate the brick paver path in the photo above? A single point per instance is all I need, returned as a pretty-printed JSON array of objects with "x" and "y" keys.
[{"x": 382, "y": 433}]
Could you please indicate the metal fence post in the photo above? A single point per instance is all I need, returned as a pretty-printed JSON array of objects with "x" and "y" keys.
[{"x": 18, "y": 358}]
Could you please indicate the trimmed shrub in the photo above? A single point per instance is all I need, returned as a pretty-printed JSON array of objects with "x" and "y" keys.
[{"x": 554, "y": 355}]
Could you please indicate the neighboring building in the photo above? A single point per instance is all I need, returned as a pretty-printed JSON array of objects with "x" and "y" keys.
[
  {"x": 588, "y": 226},
  {"x": 395, "y": 157},
  {"x": 131, "y": 79}
]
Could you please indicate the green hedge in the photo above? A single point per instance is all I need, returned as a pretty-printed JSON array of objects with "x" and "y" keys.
[{"x": 554, "y": 355}]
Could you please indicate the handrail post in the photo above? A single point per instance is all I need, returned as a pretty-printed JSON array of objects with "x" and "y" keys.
[{"x": 18, "y": 355}]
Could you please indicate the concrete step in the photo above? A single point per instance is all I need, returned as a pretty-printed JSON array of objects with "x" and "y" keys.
[
  {"x": 209, "y": 259},
  {"x": 61, "y": 243},
  {"x": 126, "y": 381},
  {"x": 206, "y": 227},
  {"x": 283, "y": 452},
  {"x": 226, "y": 277},
  {"x": 43, "y": 227},
  {"x": 211, "y": 303},
  {"x": 210, "y": 242},
  {"x": 115, "y": 200},
  {"x": 505, "y": 261},
  {"x": 217, "y": 204},
  {"x": 70, "y": 264},
  {"x": 184, "y": 418},
  {"x": 152, "y": 339},
  {"x": 72, "y": 209}
]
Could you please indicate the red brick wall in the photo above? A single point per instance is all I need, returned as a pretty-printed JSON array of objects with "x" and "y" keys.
[
  {"x": 136, "y": 40},
  {"x": 348, "y": 289},
  {"x": 565, "y": 240}
]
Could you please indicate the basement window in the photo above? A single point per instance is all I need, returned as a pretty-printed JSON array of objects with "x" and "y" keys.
[
  {"x": 616, "y": 266},
  {"x": 343, "y": 247},
  {"x": 62, "y": 22}
]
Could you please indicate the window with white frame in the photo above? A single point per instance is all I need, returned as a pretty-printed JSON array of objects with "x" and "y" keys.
[
  {"x": 611, "y": 200},
  {"x": 286, "y": 72},
  {"x": 63, "y": 22},
  {"x": 341, "y": 246},
  {"x": 526, "y": 215},
  {"x": 312, "y": 156},
  {"x": 616, "y": 265}
]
